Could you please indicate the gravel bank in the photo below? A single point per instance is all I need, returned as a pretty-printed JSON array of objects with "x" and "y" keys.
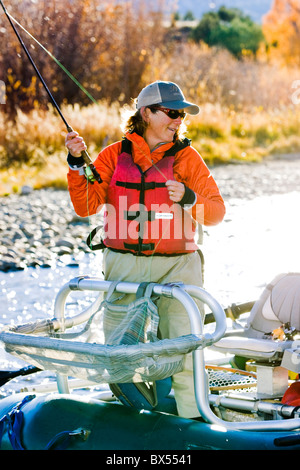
[{"x": 40, "y": 228}]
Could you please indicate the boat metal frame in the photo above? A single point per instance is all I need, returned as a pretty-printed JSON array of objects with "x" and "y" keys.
[{"x": 184, "y": 294}]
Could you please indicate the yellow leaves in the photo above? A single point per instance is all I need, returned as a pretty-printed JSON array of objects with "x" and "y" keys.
[
  {"x": 10, "y": 77},
  {"x": 35, "y": 136},
  {"x": 13, "y": 83},
  {"x": 143, "y": 54},
  {"x": 17, "y": 84},
  {"x": 281, "y": 27},
  {"x": 219, "y": 134}
]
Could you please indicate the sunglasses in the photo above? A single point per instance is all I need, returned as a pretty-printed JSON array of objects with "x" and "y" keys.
[{"x": 171, "y": 113}]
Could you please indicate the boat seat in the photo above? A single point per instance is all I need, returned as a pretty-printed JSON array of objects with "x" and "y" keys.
[
  {"x": 252, "y": 348},
  {"x": 277, "y": 307}
]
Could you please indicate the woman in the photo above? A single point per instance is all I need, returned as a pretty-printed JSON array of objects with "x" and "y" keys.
[{"x": 155, "y": 186}]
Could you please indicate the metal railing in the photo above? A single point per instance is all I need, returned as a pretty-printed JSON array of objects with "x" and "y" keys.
[{"x": 184, "y": 294}]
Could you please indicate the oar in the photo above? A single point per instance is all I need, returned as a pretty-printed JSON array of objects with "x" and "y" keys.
[
  {"x": 233, "y": 312},
  {"x": 6, "y": 376}
]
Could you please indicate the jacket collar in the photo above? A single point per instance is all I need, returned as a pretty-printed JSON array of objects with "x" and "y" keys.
[{"x": 141, "y": 152}]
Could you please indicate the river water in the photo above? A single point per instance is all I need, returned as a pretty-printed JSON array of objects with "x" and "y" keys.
[{"x": 258, "y": 239}]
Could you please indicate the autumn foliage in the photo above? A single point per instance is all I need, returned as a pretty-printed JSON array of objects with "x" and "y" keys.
[
  {"x": 114, "y": 48},
  {"x": 281, "y": 27},
  {"x": 105, "y": 45}
]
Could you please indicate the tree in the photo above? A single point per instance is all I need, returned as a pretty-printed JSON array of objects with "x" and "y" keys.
[
  {"x": 231, "y": 29},
  {"x": 281, "y": 27},
  {"x": 189, "y": 16},
  {"x": 204, "y": 30},
  {"x": 105, "y": 45}
]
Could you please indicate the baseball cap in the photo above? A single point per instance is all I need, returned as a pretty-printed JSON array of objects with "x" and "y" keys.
[{"x": 166, "y": 94}]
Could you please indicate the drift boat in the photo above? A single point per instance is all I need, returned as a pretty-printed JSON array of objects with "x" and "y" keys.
[{"x": 240, "y": 411}]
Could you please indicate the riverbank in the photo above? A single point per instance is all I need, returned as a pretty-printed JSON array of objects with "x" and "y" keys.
[{"x": 39, "y": 228}]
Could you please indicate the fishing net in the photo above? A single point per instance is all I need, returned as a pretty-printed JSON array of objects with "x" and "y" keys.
[
  {"x": 100, "y": 363},
  {"x": 131, "y": 353}
]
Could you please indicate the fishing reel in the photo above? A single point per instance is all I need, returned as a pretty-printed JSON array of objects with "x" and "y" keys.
[{"x": 91, "y": 174}]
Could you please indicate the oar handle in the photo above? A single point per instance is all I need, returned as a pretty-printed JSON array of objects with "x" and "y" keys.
[
  {"x": 5, "y": 376},
  {"x": 233, "y": 312},
  {"x": 28, "y": 370}
]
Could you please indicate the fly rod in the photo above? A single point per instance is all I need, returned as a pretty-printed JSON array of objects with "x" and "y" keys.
[{"x": 92, "y": 173}]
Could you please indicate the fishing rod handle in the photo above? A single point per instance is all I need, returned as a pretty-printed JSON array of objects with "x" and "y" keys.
[{"x": 88, "y": 161}]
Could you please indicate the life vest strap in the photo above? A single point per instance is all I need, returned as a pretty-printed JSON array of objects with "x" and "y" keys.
[
  {"x": 139, "y": 186},
  {"x": 139, "y": 247},
  {"x": 145, "y": 215}
]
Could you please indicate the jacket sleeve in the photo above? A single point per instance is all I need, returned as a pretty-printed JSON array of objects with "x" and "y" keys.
[
  {"x": 88, "y": 199},
  {"x": 190, "y": 169}
]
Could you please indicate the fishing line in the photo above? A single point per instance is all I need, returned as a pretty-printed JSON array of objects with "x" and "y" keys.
[
  {"x": 84, "y": 90},
  {"x": 81, "y": 87},
  {"x": 164, "y": 230},
  {"x": 91, "y": 172},
  {"x": 72, "y": 78}
]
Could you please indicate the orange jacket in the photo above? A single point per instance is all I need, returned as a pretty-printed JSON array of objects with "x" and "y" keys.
[{"x": 189, "y": 168}]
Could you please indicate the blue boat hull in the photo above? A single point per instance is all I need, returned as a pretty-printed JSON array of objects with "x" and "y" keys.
[{"x": 73, "y": 422}]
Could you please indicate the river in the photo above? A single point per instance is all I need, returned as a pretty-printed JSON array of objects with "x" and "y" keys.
[{"x": 258, "y": 239}]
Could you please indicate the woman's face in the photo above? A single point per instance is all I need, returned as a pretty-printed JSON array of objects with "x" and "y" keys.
[{"x": 160, "y": 127}]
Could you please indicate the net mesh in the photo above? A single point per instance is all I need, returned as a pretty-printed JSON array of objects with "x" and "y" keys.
[{"x": 103, "y": 363}]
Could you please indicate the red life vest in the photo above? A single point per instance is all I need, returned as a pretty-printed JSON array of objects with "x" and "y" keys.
[{"x": 140, "y": 217}]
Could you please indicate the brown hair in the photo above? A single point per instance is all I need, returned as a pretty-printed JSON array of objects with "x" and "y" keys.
[{"x": 135, "y": 123}]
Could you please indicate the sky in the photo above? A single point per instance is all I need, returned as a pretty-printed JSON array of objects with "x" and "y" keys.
[{"x": 254, "y": 8}]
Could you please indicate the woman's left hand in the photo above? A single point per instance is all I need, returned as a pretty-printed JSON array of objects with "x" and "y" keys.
[{"x": 176, "y": 190}]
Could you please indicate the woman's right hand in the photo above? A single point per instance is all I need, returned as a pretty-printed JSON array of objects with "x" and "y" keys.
[{"x": 75, "y": 144}]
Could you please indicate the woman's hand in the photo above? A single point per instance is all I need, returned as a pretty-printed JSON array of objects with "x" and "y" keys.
[
  {"x": 75, "y": 144},
  {"x": 176, "y": 190}
]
